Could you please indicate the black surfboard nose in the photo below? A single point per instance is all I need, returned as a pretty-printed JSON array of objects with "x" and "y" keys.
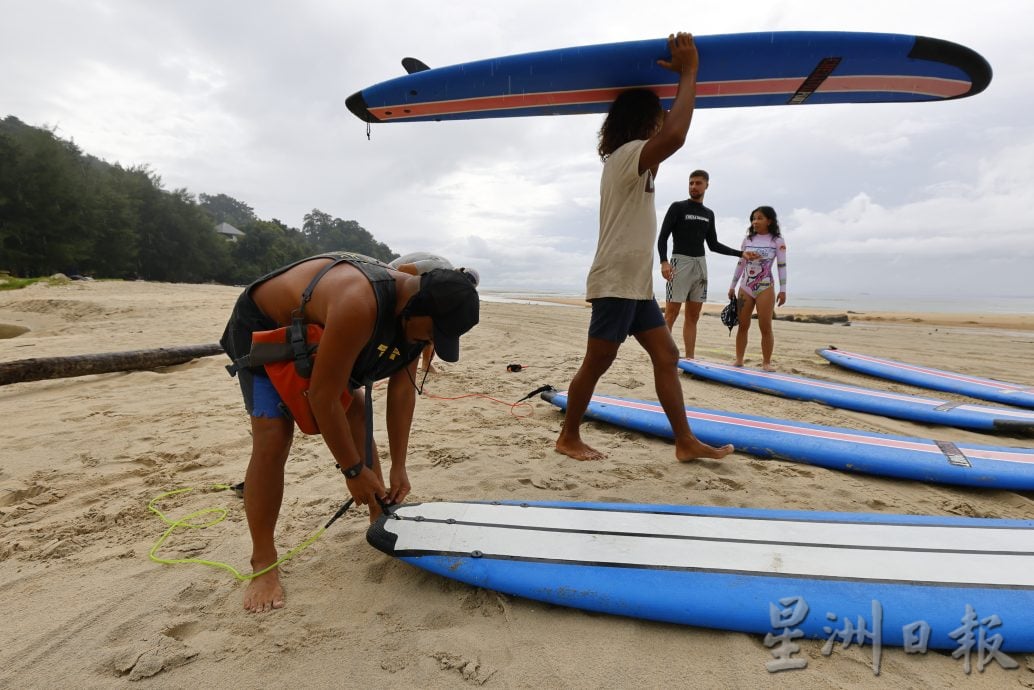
[
  {"x": 966, "y": 59},
  {"x": 357, "y": 104}
]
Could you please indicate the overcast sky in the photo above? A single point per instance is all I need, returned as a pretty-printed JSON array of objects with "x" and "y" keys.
[{"x": 247, "y": 99}]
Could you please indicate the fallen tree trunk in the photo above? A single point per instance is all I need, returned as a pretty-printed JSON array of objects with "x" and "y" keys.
[{"x": 40, "y": 368}]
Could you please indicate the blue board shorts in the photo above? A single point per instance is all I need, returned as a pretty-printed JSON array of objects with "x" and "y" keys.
[
  {"x": 616, "y": 318},
  {"x": 260, "y": 397}
]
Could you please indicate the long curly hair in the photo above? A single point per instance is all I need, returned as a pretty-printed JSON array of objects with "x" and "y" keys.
[
  {"x": 634, "y": 114},
  {"x": 769, "y": 213}
]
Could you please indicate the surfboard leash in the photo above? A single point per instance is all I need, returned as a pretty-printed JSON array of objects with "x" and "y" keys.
[
  {"x": 540, "y": 389},
  {"x": 512, "y": 405},
  {"x": 190, "y": 522}
]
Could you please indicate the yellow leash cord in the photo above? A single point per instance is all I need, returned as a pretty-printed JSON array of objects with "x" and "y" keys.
[{"x": 187, "y": 522}]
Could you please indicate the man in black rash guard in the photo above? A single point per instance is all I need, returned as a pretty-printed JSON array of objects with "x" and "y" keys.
[{"x": 690, "y": 224}]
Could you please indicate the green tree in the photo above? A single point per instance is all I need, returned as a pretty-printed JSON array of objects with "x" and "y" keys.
[
  {"x": 63, "y": 210},
  {"x": 113, "y": 241},
  {"x": 265, "y": 246},
  {"x": 43, "y": 230},
  {"x": 226, "y": 209},
  {"x": 177, "y": 242},
  {"x": 333, "y": 234}
]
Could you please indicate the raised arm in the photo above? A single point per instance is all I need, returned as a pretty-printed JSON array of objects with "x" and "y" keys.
[{"x": 672, "y": 135}]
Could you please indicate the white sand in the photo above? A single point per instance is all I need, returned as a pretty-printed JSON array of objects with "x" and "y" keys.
[{"x": 82, "y": 457}]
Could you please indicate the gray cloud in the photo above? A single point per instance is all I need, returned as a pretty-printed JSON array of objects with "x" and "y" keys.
[{"x": 247, "y": 99}]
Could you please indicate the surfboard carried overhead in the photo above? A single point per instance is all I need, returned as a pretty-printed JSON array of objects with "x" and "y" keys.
[
  {"x": 736, "y": 70},
  {"x": 837, "y": 448},
  {"x": 935, "y": 379},
  {"x": 733, "y": 568},
  {"x": 898, "y": 405}
]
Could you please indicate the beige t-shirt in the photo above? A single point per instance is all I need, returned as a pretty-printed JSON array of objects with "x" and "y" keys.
[{"x": 623, "y": 266}]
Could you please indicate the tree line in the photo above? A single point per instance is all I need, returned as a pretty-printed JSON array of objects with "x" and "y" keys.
[{"x": 65, "y": 211}]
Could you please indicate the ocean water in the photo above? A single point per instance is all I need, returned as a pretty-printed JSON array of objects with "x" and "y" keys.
[
  {"x": 839, "y": 303},
  {"x": 937, "y": 304}
]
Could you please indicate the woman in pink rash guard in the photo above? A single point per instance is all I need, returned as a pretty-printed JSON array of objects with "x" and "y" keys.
[{"x": 757, "y": 283}]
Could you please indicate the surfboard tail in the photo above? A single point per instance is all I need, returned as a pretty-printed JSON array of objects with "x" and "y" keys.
[{"x": 380, "y": 538}]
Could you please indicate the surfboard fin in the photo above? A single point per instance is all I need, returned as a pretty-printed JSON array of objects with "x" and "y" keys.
[{"x": 412, "y": 65}]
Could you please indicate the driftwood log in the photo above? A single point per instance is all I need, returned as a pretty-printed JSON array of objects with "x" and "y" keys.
[{"x": 40, "y": 368}]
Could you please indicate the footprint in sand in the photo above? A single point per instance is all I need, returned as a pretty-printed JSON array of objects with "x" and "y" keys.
[
  {"x": 447, "y": 457},
  {"x": 551, "y": 483},
  {"x": 487, "y": 602},
  {"x": 722, "y": 484},
  {"x": 637, "y": 472},
  {"x": 471, "y": 671},
  {"x": 161, "y": 655},
  {"x": 10, "y": 496}
]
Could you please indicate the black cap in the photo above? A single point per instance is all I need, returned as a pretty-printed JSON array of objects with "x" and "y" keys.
[{"x": 451, "y": 300}]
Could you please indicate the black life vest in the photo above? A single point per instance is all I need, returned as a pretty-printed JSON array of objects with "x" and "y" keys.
[{"x": 288, "y": 353}]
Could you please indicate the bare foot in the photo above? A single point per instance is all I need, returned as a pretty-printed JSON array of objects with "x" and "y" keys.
[
  {"x": 738, "y": 364},
  {"x": 695, "y": 450},
  {"x": 578, "y": 450},
  {"x": 768, "y": 366},
  {"x": 264, "y": 593}
]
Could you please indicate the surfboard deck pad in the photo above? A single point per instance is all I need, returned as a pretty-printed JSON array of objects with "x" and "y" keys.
[{"x": 728, "y": 568}]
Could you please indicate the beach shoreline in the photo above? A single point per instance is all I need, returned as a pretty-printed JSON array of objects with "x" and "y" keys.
[
  {"x": 83, "y": 457},
  {"x": 1013, "y": 322}
]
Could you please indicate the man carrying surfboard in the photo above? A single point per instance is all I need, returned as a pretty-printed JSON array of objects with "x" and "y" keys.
[
  {"x": 635, "y": 138},
  {"x": 690, "y": 224}
]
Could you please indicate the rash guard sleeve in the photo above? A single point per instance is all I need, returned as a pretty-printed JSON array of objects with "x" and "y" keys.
[
  {"x": 666, "y": 228},
  {"x": 781, "y": 264},
  {"x": 739, "y": 266}
]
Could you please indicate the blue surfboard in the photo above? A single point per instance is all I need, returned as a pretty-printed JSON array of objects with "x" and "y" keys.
[
  {"x": 914, "y": 408},
  {"x": 837, "y": 448},
  {"x": 1018, "y": 394},
  {"x": 755, "y": 571},
  {"x": 736, "y": 70}
]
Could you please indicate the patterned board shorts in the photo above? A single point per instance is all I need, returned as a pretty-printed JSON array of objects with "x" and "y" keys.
[{"x": 689, "y": 279}]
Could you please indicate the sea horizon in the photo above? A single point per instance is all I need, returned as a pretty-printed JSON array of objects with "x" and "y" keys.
[{"x": 859, "y": 303}]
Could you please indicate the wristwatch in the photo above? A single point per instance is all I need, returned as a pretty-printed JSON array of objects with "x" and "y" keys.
[{"x": 354, "y": 471}]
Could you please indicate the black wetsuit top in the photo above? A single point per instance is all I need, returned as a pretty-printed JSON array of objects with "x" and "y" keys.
[{"x": 690, "y": 224}]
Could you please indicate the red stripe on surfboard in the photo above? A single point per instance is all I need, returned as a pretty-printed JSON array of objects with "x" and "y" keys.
[
  {"x": 508, "y": 102},
  {"x": 1001, "y": 385},
  {"x": 926, "y": 86},
  {"x": 997, "y": 412},
  {"x": 927, "y": 447}
]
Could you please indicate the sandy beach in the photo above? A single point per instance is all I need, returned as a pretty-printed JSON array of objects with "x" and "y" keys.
[{"x": 82, "y": 457}]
